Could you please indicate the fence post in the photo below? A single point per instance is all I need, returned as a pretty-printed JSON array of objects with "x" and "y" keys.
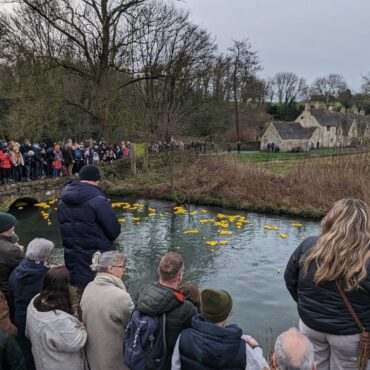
[
  {"x": 146, "y": 158},
  {"x": 133, "y": 159}
]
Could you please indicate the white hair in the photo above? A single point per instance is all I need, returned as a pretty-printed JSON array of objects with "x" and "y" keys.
[
  {"x": 38, "y": 249},
  {"x": 101, "y": 261},
  {"x": 285, "y": 356}
]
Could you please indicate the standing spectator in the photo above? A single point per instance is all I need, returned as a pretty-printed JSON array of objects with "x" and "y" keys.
[
  {"x": 238, "y": 146},
  {"x": 10, "y": 254},
  {"x": 163, "y": 297},
  {"x": 49, "y": 156},
  {"x": 26, "y": 146},
  {"x": 83, "y": 203},
  {"x": 5, "y": 323},
  {"x": 37, "y": 165},
  {"x": 293, "y": 351},
  {"x": 29, "y": 164},
  {"x": 6, "y": 166},
  {"x": 106, "y": 309},
  {"x": 18, "y": 163},
  {"x": 209, "y": 335},
  {"x": 340, "y": 255},
  {"x": 10, "y": 355},
  {"x": 79, "y": 158},
  {"x": 24, "y": 283},
  {"x": 57, "y": 161},
  {"x": 57, "y": 337},
  {"x": 68, "y": 157}
]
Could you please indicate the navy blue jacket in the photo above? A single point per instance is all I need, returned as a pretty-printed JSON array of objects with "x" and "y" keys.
[
  {"x": 321, "y": 307},
  {"x": 87, "y": 224},
  {"x": 207, "y": 346},
  {"x": 24, "y": 283}
]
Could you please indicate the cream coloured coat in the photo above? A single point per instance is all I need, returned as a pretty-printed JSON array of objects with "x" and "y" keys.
[{"x": 106, "y": 309}]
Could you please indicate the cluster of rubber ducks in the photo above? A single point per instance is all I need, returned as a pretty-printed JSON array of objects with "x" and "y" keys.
[
  {"x": 222, "y": 221},
  {"x": 43, "y": 206}
]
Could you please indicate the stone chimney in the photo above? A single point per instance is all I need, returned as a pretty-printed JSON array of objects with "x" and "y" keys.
[{"x": 343, "y": 110}]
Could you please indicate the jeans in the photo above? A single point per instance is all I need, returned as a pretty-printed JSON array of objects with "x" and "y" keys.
[{"x": 333, "y": 352}]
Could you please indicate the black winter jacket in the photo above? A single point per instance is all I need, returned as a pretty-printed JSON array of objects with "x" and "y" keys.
[
  {"x": 11, "y": 357},
  {"x": 155, "y": 299},
  {"x": 87, "y": 224},
  {"x": 207, "y": 346},
  {"x": 321, "y": 307},
  {"x": 25, "y": 282}
]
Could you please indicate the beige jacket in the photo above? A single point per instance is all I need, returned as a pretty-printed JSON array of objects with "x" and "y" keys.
[{"x": 106, "y": 309}]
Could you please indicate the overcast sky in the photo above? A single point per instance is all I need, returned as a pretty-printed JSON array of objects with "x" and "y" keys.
[{"x": 311, "y": 38}]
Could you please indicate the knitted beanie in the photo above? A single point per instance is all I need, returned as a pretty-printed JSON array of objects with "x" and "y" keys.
[
  {"x": 89, "y": 173},
  {"x": 7, "y": 221},
  {"x": 216, "y": 305}
]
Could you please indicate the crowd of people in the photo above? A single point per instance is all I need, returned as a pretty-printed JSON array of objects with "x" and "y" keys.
[
  {"x": 80, "y": 315},
  {"x": 32, "y": 161}
]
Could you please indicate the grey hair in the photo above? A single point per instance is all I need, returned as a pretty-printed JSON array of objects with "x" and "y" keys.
[
  {"x": 101, "y": 261},
  {"x": 38, "y": 249},
  {"x": 285, "y": 359}
]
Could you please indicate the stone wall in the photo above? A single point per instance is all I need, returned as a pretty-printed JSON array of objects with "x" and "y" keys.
[{"x": 38, "y": 191}]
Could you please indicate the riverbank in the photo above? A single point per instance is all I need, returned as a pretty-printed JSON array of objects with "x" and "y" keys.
[{"x": 308, "y": 189}]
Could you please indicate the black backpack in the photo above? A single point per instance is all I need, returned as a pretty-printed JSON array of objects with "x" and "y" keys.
[{"x": 145, "y": 344}]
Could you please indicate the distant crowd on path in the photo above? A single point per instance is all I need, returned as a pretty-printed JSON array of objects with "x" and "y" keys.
[
  {"x": 80, "y": 316},
  {"x": 32, "y": 160}
]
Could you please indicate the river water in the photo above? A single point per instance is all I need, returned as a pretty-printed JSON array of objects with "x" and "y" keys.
[{"x": 251, "y": 266}]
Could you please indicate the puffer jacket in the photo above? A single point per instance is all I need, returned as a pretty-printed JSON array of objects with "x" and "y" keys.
[
  {"x": 5, "y": 323},
  {"x": 25, "y": 282},
  {"x": 87, "y": 224},
  {"x": 11, "y": 357},
  {"x": 156, "y": 299},
  {"x": 321, "y": 307},
  {"x": 207, "y": 346}
]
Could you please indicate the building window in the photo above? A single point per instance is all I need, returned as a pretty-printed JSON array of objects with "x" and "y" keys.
[{"x": 327, "y": 128}]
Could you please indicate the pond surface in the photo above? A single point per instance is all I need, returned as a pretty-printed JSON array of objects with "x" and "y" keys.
[{"x": 251, "y": 266}]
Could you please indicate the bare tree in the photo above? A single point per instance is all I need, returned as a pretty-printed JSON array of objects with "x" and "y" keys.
[
  {"x": 366, "y": 84},
  {"x": 88, "y": 38},
  {"x": 244, "y": 64},
  {"x": 328, "y": 87},
  {"x": 289, "y": 88}
]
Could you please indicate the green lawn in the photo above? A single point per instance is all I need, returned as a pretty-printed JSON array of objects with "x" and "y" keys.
[{"x": 268, "y": 157}]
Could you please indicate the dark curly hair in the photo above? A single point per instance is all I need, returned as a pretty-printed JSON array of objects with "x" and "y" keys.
[{"x": 55, "y": 294}]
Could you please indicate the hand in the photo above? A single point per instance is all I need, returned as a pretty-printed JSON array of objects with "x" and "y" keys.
[
  {"x": 251, "y": 342},
  {"x": 21, "y": 247}
]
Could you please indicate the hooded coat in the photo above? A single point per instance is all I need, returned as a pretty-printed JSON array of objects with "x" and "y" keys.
[
  {"x": 87, "y": 224},
  {"x": 156, "y": 299},
  {"x": 106, "y": 309},
  {"x": 25, "y": 282}
]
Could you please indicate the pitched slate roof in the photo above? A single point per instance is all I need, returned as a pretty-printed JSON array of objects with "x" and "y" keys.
[
  {"x": 293, "y": 130},
  {"x": 337, "y": 119}
]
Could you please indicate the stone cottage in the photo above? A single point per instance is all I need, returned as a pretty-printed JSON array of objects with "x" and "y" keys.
[
  {"x": 289, "y": 136},
  {"x": 334, "y": 129}
]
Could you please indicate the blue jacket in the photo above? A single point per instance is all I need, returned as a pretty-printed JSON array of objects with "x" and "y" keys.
[
  {"x": 207, "y": 346},
  {"x": 24, "y": 283},
  {"x": 87, "y": 224}
]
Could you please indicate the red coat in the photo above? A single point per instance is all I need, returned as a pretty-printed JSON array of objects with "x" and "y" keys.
[{"x": 5, "y": 160}]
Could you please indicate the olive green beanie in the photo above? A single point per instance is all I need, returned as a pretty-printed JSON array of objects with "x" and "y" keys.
[
  {"x": 216, "y": 305},
  {"x": 7, "y": 221}
]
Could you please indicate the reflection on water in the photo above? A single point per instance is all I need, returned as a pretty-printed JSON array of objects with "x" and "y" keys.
[{"x": 250, "y": 267}]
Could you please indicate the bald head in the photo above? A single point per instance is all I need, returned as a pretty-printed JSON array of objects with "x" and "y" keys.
[{"x": 293, "y": 351}]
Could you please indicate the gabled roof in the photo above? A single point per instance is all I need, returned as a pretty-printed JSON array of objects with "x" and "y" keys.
[
  {"x": 293, "y": 130},
  {"x": 328, "y": 118}
]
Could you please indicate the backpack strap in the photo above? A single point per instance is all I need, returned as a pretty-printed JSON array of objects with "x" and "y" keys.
[
  {"x": 349, "y": 306},
  {"x": 164, "y": 358}
]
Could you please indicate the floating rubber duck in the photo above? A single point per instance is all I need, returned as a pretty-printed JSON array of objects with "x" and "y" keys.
[
  {"x": 193, "y": 213},
  {"x": 224, "y": 242},
  {"x": 121, "y": 220},
  {"x": 136, "y": 219},
  {"x": 204, "y": 211},
  {"x": 283, "y": 236},
  {"x": 212, "y": 243},
  {"x": 296, "y": 225},
  {"x": 191, "y": 232},
  {"x": 225, "y": 232},
  {"x": 206, "y": 221}
]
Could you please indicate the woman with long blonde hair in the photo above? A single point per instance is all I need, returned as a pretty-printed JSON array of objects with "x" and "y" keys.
[{"x": 340, "y": 255}]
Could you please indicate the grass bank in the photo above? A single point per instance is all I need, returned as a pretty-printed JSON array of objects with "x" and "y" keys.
[{"x": 307, "y": 189}]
